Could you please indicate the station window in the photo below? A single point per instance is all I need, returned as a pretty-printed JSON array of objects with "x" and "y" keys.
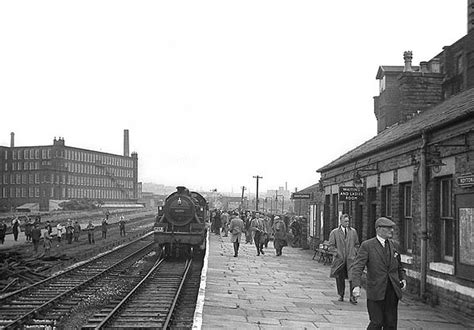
[
  {"x": 407, "y": 218},
  {"x": 446, "y": 218}
]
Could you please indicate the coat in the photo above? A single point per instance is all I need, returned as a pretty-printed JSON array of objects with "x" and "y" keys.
[
  {"x": 236, "y": 228},
  {"x": 379, "y": 269},
  {"x": 344, "y": 249}
]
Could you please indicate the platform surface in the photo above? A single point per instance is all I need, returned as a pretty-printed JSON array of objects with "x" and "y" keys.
[{"x": 293, "y": 292}]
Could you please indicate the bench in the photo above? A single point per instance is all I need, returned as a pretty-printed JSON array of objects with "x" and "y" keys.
[{"x": 322, "y": 251}]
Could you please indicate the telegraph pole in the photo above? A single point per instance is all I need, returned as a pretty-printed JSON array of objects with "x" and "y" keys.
[
  {"x": 256, "y": 201},
  {"x": 242, "y": 199}
]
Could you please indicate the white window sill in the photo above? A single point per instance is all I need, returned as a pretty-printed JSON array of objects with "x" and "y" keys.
[
  {"x": 442, "y": 267},
  {"x": 406, "y": 259}
]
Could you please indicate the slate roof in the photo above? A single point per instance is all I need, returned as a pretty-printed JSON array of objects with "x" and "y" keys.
[{"x": 455, "y": 108}]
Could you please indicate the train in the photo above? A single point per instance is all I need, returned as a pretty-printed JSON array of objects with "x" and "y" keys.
[{"x": 181, "y": 224}]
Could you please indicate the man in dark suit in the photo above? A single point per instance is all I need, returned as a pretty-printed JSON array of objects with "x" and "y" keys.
[{"x": 385, "y": 276}]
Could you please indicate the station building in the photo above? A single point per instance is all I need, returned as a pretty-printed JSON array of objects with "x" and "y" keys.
[
  {"x": 418, "y": 170},
  {"x": 47, "y": 175}
]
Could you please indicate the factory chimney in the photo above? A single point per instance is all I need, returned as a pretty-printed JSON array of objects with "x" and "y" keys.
[
  {"x": 12, "y": 140},
  {"x": 126, "y": 146},
  {"x": 470, "y": 16}
]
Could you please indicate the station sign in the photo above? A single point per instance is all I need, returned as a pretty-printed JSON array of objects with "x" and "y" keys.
[
  {"x": 465, "y": 180},
  {"x": 301, "y": 195},
  {"x": 351, "y": 194}
]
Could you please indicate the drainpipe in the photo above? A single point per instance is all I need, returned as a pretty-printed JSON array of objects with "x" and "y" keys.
[{"x": 424, "y": 231}]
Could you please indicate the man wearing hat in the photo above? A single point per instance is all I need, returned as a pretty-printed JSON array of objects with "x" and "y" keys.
[{"x": 385, "y": 276}]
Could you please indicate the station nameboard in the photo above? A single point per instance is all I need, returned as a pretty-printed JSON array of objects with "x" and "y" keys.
[
  {"x": 301, "y": 196},
  {"x": 350, "y": 194},
  {"x": 465, "y": 180}
]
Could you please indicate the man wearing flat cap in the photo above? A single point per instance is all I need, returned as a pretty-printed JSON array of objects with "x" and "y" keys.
[{"x": 385, "y": 276}]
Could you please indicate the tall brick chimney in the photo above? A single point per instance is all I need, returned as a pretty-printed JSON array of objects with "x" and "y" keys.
[
  {"x": 12, "y": 140},
  {"x": 470, "y": 16},
  {"x": 126, "y": 143}
]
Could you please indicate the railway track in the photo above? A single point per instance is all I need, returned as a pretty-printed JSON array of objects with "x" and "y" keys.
[
  {"x": 152, "y": 303},
  {"x": 44, "y": 303}
]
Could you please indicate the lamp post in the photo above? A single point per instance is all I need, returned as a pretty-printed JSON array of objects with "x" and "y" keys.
[{"x": 242, "y": 198}]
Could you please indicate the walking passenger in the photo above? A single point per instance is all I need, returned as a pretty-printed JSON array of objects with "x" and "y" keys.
[
  {"x": 259, "y": 233},
  {"x": 236, "y": 228},
  {"x": 385, "y": 276},
  {"x": 343, "y": 243},
  {"x": 90, "y": 232},
  {"x": 279, "y": 230},
  {"x": 225, "y": 223}
]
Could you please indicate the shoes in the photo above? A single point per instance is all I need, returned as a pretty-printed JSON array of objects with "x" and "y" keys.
[
  {"x": 235, "y": 255},
  {"x": 341, "y": 298},
  {"x": 261, "y": 251},
  {"x": 353, "y": 300},
  {"x": 258, "y": 254}
]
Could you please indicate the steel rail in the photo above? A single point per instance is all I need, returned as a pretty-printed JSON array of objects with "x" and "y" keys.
[
  {"x": 22, "y": 319},
  {"x": 178, "y": 292}
]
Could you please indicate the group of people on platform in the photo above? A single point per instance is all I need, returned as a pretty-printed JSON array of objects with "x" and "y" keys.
[
  {"x": 379, "y": 255},
  {"x": 71, "y": 231},
  {"x": 257, "y": 228}
]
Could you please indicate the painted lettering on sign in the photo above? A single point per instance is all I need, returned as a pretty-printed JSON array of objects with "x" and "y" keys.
[
  {"x": 466, "y": 180},
  {"x": 350, "y": 194}
]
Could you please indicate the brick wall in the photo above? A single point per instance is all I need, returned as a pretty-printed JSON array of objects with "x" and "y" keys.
[{"x": 418, "y": 92}]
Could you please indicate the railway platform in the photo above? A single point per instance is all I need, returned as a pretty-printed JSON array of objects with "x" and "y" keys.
[{"x": 293, "y": 292}]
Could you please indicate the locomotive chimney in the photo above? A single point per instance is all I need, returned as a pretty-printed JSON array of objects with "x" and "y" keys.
[
  {"x": 126, "y": 147},
  {"x": 12, "y": 140}
]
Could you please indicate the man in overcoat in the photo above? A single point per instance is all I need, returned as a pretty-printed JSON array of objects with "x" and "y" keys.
[
  {"x": 385, "y": 276},
  {"x": 343, "y": 243},
  {"x": 236, "y": 228}
]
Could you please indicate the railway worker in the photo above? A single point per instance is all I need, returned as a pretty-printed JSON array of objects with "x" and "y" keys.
[
  {"x": 69, "y": 231},
  {"x": 385, "y": 276},
  {"x": 279, "y": 234},
  {"x": 49, "y": 228},
  {"x": 122, "y": 226},
  {"x": 47, "y": 243},
  {"x": 77, "y": 231},
  {"x": 225, "y": 223},
  {"x": 59, "y": 229},
  {"x": 28, "y": 228},
  {"x": 15, "y": 228},
  {"x": 35, "y": 236},
  {"x": 104, "y": 228},
  {"x": 236, "y": 228},
  {"x": 258, "y": 229},
  {"x": 3, "y": 231},
  {"x": 218, "y": 223},
  {"x": 90, "y": 232},
  {"x": 343, "y": 244}
]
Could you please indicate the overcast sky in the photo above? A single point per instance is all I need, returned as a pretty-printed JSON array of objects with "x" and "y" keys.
[{"x": 213, "y": 92}]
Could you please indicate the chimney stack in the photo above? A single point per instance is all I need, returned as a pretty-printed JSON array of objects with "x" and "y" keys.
[
  {"x": 12, "y": 140},
  {"x": 126, "y": 147},
  {"x": 470, "y": 16},
  {"x": 407, "y": 57}
]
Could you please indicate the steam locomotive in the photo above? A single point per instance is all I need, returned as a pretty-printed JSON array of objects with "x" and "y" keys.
[{"x": 180, "y": 226}]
